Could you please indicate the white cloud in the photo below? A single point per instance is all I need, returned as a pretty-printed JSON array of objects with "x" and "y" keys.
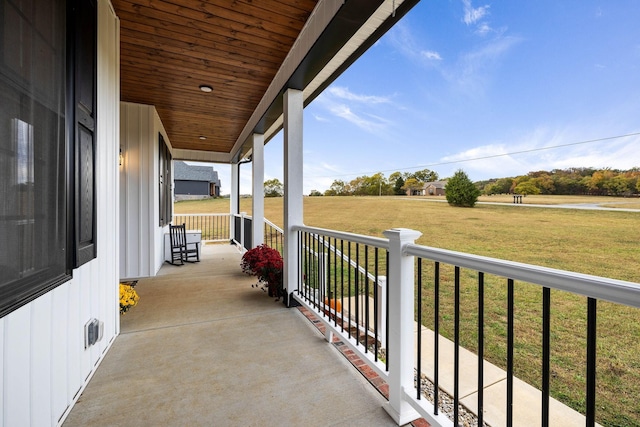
[
  {"x": 545, "y": 149},
  {"x": 358, "y": 109},
  {"x": 484, "y": 28},
  {"x": 372, "y": 124},
  {"x": 402, "y": 39},
  {"x": 472, "y": 69},
  {"x": 431, "y": 55},
  {"x": 345, "y": 93},
  {"x": 483, "y": 162},
  {"x": 473, "y": 15}
]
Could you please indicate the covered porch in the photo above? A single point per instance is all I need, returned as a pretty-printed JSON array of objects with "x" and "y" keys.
[{"x": 205, "y": 348}]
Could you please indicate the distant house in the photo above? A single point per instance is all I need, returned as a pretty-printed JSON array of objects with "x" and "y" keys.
[
  {"x": 194, "y": 182},
  {"x": 435, "y": 188}
]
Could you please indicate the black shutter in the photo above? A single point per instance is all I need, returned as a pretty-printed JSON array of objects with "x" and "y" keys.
[
  {"x": 84, "y": 44},
  {"x": 164, "y": 182}
]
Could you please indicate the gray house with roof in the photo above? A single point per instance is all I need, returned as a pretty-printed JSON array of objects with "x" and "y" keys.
[{"x": 194, "y": 182}]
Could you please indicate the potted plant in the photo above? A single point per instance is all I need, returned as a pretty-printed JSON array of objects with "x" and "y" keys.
[
  {"x": 266, "y": 264},
  {"x": 128, "y": 297}
]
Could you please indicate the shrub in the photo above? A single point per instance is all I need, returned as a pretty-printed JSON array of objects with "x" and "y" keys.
[{"x": 460, "y": 191}]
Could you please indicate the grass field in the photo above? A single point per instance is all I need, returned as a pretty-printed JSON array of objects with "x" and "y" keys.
[{"x": 602, "y": 243}]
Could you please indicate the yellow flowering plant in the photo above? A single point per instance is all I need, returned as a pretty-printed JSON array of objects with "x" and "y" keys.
[{"x": 128, "y": 297}]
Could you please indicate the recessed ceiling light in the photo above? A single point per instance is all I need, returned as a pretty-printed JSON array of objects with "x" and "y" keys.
[
  {"x": 203, "y": 137},
  {"x": 206, "y": 88}
]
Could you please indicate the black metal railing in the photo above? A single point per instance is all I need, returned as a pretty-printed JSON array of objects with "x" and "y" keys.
[
  {"x": 342, "y": 279},
  {"x": 214, "y": 227},
  {"x": 217, "y": 228},
  {"x": 273, "y": 236},
  {"x": 478, "y": 303},
  {"x": 505, "y": 279},
  {"x": 242, "y": 231}
]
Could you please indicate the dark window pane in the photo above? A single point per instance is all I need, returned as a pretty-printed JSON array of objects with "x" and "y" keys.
[{"x": 33, "y": 211}]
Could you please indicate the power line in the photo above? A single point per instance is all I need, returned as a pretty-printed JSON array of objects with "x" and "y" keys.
[{"x": 489, "y": 157}]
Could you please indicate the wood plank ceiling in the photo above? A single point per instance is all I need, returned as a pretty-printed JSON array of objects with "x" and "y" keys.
[{"x": 171, "y": 47}]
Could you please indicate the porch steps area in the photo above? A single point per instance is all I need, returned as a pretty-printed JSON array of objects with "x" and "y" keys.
[{"x": 204, "y": 348}]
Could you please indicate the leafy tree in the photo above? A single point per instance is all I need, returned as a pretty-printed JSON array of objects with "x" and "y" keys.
[
  {"x": 599, "y": 181},
  {"x": 544, "y": 183},
  {"x": 489, "y": 189},
  {"x": 425, "y": 175},
  {"x": 376, "y": 184},
  {"x": 500, "y": 186},
  {"x": 397, "y": 187},
  {"x": 460, "y": 191},
  {"x": 393, "y": 178},
  {"x": 338, "y": 188},
  {"x": 314, "y": 193},
  {"x": 356, "y": 185},
  {"x": 618, "y": 185},
  {"x": 412, "y": 184},
  {"x": 273, "y": 188},
  {"x": 527, "y": 187}
]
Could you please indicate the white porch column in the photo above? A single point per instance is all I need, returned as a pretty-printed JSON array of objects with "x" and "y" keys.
[
  {"x": 234, "y": 198},
  {"x": 293, "y": 213},
  {"x": 257, "y": 171},
  {"x": 401, "y": 309}
]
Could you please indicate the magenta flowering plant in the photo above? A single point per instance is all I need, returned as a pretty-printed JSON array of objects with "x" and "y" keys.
[{"x": 266, "y": 264}]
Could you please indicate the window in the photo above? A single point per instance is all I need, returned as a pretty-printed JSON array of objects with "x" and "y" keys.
[
  {"x": 36, "y": 147},
  {"x": 33, "y": 220},
  {"x": 165, "y": 182}
]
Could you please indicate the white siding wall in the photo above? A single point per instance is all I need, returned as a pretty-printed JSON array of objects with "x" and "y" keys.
[
  {"x": 43, "y": 363},
  {"x": 141, "y": 237}
]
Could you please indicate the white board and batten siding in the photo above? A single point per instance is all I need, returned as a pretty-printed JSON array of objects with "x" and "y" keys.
[
  {"x": 43, "y": 363},
  {"x": 141, "y": 237}
]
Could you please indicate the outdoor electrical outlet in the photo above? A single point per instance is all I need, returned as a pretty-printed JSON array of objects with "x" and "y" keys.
[{"x": 93, "y": 332}]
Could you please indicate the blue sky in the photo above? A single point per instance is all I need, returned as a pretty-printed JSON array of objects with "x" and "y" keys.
[{"x": 458, "y": 80}]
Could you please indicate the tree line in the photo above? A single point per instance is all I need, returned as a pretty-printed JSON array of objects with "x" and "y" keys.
[
  {"x": 378, "y": 185},
  {"x": 572, "y": 181}
]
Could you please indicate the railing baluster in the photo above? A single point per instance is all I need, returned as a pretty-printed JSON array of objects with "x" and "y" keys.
[
  {"x": 375, "y": 305},
  {"x": 335, "y": 282},
  {"x": 480, "y": 347},
  {"x": 342, "y": 285},
  {"x": 307, "y": 276},
  {"x": 316, "y": 266},
  {"x": 419, "y": 320},
  {"x": 386, "y": 346},
  {"x": 349, "y": 285},
  {"x": 546, "y": 351},
  {"x": 456, "y": 346},
  {"x": 365, "y": 277},
  {"x": 591, "y": 361},
  {"x": 510, "y": 320},
  {"x": 436, "y": 334},
  {"x": 357, "y": 292}
]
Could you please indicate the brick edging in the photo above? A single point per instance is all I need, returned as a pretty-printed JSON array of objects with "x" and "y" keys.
[{"x": 374, "y": 379}]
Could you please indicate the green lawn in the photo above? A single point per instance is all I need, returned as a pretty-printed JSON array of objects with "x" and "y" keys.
[{"x": 602, "y": 243}]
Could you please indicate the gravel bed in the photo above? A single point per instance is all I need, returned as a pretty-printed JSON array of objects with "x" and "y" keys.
[{"x": 466, "y": 418}]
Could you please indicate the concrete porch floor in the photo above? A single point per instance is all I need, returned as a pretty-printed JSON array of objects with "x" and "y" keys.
[{"x": 204, "y": 348}]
